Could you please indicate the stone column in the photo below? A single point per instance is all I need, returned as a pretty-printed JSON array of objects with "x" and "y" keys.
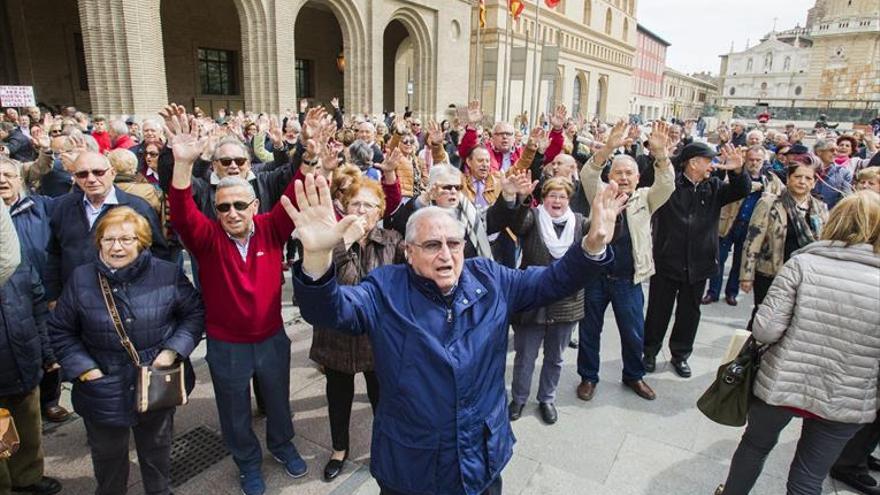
[{"x": 124, "y": 56}]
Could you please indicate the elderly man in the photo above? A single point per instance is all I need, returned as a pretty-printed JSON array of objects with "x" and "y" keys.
[
  {"x": 686, "y": 249},
  {"x": 833, "y": 181},
  {"x": 242, "y": 294},
  {"x": 438, "y": 327},
  {"x": 366, "y": 132},
  {"x": 74, "y": 216},
  {"x": 119, "y": 135},
  {"x": 738, "y": 133},
  {"x": 634, "y": 263}
]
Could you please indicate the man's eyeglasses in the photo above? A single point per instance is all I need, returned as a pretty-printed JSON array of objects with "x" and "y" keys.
[
  {"x": 84, "y": 174},
  {"x": 228, "y": 161},
  {"x": 503, "y": 134},
  {"x": 451, "y": 187},
  {"x": 434, "y": 246},
  {"x": 124, "y": 241},
  {"x": 238, "y": 205},
  {"x": 151, "y": 154}
]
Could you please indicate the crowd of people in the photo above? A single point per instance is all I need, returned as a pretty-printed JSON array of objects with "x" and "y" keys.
[{"x": 413, "y": 247}]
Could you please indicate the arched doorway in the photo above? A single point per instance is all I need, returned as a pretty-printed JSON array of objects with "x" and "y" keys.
[
  {"x": 398, "y": 68},
  {"x": 579, "y": 94},
  {"x": 602, "y": 97},
  {"x": 203, "y": 66},
  {"x": 321, "y": 62}
]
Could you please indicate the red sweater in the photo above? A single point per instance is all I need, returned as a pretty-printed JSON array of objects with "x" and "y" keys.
[{"x": 242, "y": 299}]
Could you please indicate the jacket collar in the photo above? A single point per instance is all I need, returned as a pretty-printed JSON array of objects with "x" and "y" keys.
[
  {"x": 23, "y": 204},
  {"x": 126, "y": 273},
  {"x": 465, "y": 294},
  {"x": 378, "y": 236}
]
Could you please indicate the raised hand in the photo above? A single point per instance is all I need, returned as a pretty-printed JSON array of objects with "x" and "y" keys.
[
  {"x": 517, "y": 184},
  {"x": 616, "y": 136},
  {"x": 731, "y": 158},
  {"x": 275, "y": 133},
  {"x": 537, "y": 137},
  {"x": 312, "y": 123},
  {"x": 391, "y": 162},
  {"x": 303, "y": 105},
  {"x": 557, "y": 118},
  {"x": 400, "y": 124},
  {"x": 334, "y": 102},
  {"x": 659, "y": 139},
  {"x": 182, "y": 134},
  {"x": 607, "y": 205},
  {"x": 474, "y": 113},
  {"x": 435, "y": 133}
]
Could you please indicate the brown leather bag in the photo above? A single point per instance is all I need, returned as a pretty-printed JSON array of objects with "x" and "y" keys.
[
  {"x": 157, "y": 388},
  {"x": 9, "y": 441}
]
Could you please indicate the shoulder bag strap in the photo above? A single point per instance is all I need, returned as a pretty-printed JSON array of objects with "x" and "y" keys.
[{"x": 117, "y": 321}]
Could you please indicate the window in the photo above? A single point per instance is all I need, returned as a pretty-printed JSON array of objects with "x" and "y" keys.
[
  {"x": 625, "y": 30},
  {"x": 763, "y": 85},
  {"x": 798, "y": 90},
  {"x": 217, "y": 72},
  {"x": 768, "y": 61},
  {"x": 588, "y": 11},
  {"x": 750, "y": 64},
  {"x": 732, "y": 91},
  {"x": 303, "y": 69},
  {"x": 786, "y": 64},
  {"x": 576, "y": 103},
  {"x": 608, "y": 19},
  {"x": 81, "y": 61}
]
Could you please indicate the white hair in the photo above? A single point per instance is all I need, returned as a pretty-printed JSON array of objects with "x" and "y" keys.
[
  {"x": 444, "y": 172},
  {"x": 755, "y": 132},
  {"x": 118, "y": 126},
  {"x": 620, "y": 160},
  {"x": 429, "y": 213},
  {"x": 235, "y": 181}
]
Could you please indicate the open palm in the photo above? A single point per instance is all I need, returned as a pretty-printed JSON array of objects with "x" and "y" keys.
[{"x": 315, "y": 219}]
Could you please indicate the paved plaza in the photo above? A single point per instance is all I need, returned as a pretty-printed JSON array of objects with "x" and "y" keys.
[{"x": 616, "y": 444}]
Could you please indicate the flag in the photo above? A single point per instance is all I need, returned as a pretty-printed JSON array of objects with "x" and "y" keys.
[
  {"x": 482, "y": 14},
  {"x": 516, "y": 7},
  {"x": 552, "y": 3}
]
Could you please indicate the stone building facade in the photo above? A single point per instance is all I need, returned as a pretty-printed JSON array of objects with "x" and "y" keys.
[
  {"x": 684, "y": 96},
  {"x": 132, "y": 56},
  {"x": 648, "y": 74},
  {"x": 597, "y": 48}
]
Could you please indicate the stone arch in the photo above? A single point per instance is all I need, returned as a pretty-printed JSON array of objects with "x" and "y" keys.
[
  {"x": 580, "y": 93},
  {"x": 602, "y": 97},
  {"x": 424, "y": 93},
  {"x": 257, "y": 54},
  {"x": 608, "y": 20},
  {"x": 356, "y": 84}
]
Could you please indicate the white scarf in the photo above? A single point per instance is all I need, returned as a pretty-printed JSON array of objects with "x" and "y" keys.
[{"x": 557, "y": 245}]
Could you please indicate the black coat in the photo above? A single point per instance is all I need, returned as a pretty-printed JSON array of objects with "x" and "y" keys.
[
  {"x": 686, "y": 226},
  {"x": 73, "y": 242},
  {"x": 24, "y": 344},
  {"x": 159, "y": 308},
  {"x": 19, "y": 146},
  {"x": 268, "y": 185}
]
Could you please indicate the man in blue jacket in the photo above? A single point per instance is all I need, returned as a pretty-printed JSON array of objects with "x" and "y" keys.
[{"x": 438, "y": 327}]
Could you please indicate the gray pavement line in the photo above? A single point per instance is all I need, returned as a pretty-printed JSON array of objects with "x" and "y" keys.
[{"x": 353, "y": 482}]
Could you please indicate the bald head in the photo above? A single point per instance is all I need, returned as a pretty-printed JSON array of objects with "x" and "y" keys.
[{"x": 563, "y": 165}]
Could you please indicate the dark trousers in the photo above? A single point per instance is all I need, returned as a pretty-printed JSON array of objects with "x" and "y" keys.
[
  {"x": 232, "y": 367},
  {"x": 493, "y": 489},
  {"x": 340, "y": 394},
  {"x": 50, "y": 389},
  {"x": 627, "y": 301},
  {"x": 662, "y": 294},
  {"x": 735, "y": 239},
  {"x": 820, "y": 443},
  {"x": 504, "y": 250},
  {"x": 152, "y": 438},
  {"x": 854, "y": 458},
  {"x": 26, "y": 466},
  {"x": 760, "y": 286}
]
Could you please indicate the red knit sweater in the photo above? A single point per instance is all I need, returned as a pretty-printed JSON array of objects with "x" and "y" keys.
[{"x": 242, "y": 298}]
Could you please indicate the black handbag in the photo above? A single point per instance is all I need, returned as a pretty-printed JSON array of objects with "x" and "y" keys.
[
  {"x": 157, "y": 388},
  {"x": 727, "y": 400}
]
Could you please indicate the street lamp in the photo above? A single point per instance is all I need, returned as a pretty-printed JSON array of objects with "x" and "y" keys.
[{"x": 340, "y": 62}]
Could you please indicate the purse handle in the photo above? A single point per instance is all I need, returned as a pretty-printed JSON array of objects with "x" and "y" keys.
[{"x": 117, "y": 321}]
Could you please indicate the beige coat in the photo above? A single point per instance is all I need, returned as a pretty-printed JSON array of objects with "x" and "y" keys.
[
  {"x": 642, "y": 205},
  {"x": 822, "y": 317},
  {"x": 770, "y": 184}
]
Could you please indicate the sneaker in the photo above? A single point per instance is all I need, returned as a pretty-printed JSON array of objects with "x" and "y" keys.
[
  {"x": 294, "y": 464},
  {"x": 252, "y": 483}
]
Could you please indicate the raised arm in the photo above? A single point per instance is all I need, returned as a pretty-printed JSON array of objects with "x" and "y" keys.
[{"x": 664, "y": 173}]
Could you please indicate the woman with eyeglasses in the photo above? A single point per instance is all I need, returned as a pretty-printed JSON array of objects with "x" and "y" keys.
[
  {"x": 343, "y": 355},
  {"x": 163, "y": 316},
  {"x": 413, "y": 168}
]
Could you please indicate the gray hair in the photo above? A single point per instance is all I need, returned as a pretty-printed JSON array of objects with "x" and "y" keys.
[
  {"x": 444, "y": 172},
  {"x": 235, "y": 181},
  {"x": 624, "y": 160},
  {"x": 822, "y": 144},
  {"x": 230, "y": 141},
  {"x": 429, "y": 213},
  {"x": 361, "y": 153},
  {"x": 755, "y": 132},
  {"x": 152, "y": 122},
  {"x": 367, "y": 123},
  {"x": 118, "y": 126},
  {"x": 91, "y": 143}
]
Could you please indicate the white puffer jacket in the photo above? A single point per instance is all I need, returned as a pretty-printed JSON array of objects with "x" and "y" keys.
[{"x": 822, "y": 315}]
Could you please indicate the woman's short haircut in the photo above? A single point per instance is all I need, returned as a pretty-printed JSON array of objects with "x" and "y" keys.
[
  {"x": 557, "y": 184},
  {"x": 123, "y": 161},
  {"x": 120, "y": 215},
  {"x": 800, "y": 164},
  {"x": 444, "y": 173},
  {"x": 855, "y": 220},
  {"x": 362, "y": 183},
  {"x": 361, "y": 154},
  {"x": 853, "y": 144},
  {"x": 340, "y": 175},
  {"x": 870, "y": 173}
]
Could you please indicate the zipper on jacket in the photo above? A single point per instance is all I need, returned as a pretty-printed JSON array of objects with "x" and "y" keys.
[{"x": 448, "y": 315}]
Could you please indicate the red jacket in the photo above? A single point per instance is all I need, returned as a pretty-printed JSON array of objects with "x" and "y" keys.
[
  {"x": 469, "y": 141},
  {"x": 123, "y": 142},
  {"x": 242, "y": 298},
  {"x": 103, "y": 139}
]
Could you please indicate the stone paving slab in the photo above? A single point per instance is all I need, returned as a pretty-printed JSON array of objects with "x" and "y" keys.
[{"x": 615, "y": 444}]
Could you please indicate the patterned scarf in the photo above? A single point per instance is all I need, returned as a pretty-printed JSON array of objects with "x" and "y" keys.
[{"x": 807, "y": 226}]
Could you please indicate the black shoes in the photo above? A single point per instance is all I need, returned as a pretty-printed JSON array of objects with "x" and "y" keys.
[
  {"x": 650, "y": 363},
  {"x": 334, "y": 467},
  {"x": 514, "y": 411},
  {"x": 46, "y": 486},
  {"x": 860, "y": 482},
  {"x": 548, "y": 412},
  {"x": 681, "y": 368}
]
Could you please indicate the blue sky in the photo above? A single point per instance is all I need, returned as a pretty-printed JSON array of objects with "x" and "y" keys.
[{"x": 701, "y": 30}]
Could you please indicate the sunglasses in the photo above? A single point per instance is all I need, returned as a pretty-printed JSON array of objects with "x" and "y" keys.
[
  {"x": 451, "y": 187},
  {"x": 408, "y": 141},
  {"x": 54, "y": 132},
  {"x": 228, "y": 161},
  {"x": 152, "y": 154},
  {"x": 238, "y": 205},
  {"x": 84, "y": 174}
]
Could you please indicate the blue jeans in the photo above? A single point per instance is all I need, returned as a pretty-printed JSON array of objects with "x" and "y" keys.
[
  {"x": 736, "y": 238},
  {"x": 627, "y": 300},
  {"x": 232, "y": 367}
]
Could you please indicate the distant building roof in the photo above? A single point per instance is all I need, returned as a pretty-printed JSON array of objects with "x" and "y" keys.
[{"x": 650, "y": 33}]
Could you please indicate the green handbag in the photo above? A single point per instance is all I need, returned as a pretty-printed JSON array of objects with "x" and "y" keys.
[{"x": 726, "y": 401}]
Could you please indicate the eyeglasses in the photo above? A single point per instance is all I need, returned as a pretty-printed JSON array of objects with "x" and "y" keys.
[
  {"x": 357, "y": 205},
  {"x": 416, "y": 124},
  {"x": 559, "y": 197},
  {"x": 238, "y": 205},
  {"x": 228, "y": 161},
  {"x": 451, "y": 187},
  {"x": 124, "y": 241},
  {"x": 84, "y": 174},
  {"x": 504, "y": 134},
  {"x": 152, "y": 154},
  {"x": 55, "y": 132},
  {"x": 407, "y": 141},
  {"x": 434, "y": 246}
]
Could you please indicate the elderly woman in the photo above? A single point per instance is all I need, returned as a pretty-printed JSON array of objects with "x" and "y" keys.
[
  {"x": 868, "y": 179},
  {"x": 833, "y": 181},
  {"x": 780, "y": 225},
  {"x": 343, "y": 355},
  {"x": 129, "y": 180},
  {"x": 163, "y": 316},
  {"x": 545, "y": 232},
  {"x": 820, "y": 319},
  {"x": 361, "y": 155}
]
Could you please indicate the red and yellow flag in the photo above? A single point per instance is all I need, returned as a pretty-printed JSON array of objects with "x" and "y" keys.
[
  {"x": 516, "y": 7},
  {"x": 482, "y": 14},
  {"x": 552, "y": 3}
]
